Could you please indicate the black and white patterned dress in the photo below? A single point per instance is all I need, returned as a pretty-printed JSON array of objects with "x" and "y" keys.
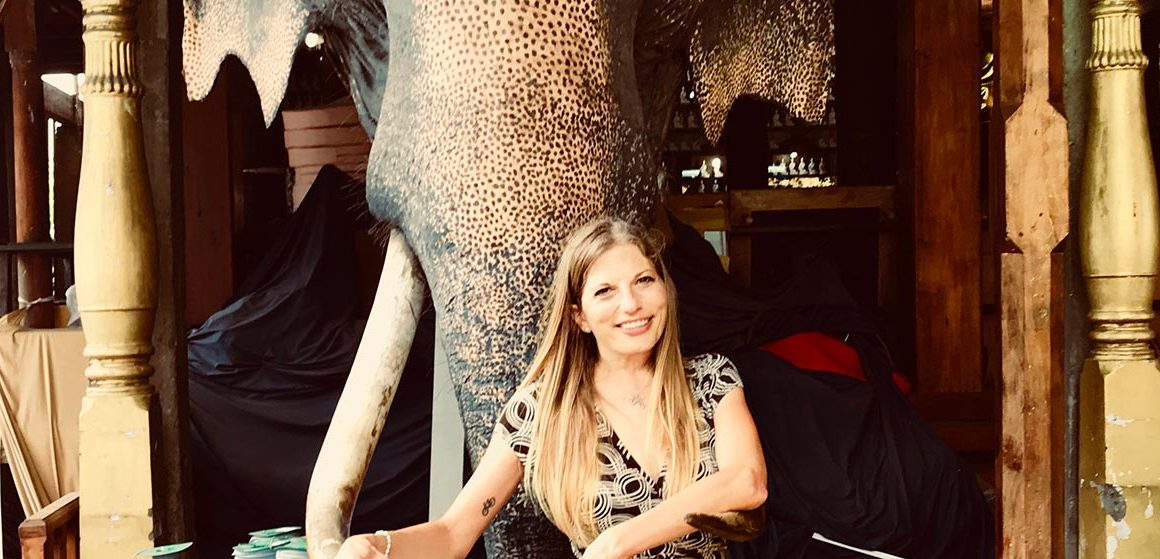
[{"x": 625, "y": 490}]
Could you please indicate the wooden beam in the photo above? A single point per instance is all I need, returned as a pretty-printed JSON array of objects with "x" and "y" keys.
[
  {"x": 20, "y": 25},
  {"x": 940, "y": 141},
  {"x": 159, "y": 25},
  {"x": 7, "y": 178},
  {"x": 30, "y": 160},
  {"x": 63, "y": 107},
  {"x": 742, "y": 203},
  {"x": 1032, "y": 164}
]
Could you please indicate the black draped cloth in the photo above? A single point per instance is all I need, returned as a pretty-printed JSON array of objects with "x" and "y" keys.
[
  {"x": 848, "y": 459},
  {"x": 265, "y": 376}
]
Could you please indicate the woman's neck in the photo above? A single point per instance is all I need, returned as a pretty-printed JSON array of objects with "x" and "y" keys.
[{"x": 623, "y": 368}]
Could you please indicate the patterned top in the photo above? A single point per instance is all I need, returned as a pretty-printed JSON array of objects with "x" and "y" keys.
[{"x": 625, "y": 490}]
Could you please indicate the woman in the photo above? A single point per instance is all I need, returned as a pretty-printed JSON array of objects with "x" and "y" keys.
[{"x": 663, "y": 437}]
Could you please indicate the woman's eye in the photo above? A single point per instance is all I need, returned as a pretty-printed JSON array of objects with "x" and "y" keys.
[
  {"x": 602, "y": 292},
  {"x": 646, "y": 279}
]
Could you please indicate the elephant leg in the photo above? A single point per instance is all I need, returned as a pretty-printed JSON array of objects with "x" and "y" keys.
[{"x": 358, "y": 420}]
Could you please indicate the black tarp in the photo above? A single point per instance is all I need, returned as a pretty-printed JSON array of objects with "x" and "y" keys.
[
  {"x": 848, "y": 459},
  {"x": 265, "y": 375}
]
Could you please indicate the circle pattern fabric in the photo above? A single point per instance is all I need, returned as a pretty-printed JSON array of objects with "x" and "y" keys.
[{"x": 624, "y": 490}]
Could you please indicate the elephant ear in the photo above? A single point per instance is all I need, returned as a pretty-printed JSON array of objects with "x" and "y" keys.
[
  {"x": 659, "y": 67},
  {"x": 356, "y": 35},
  {"x": 265, "y": 34},
  {"x": 778, "y": 50},
  {"x": 262, "y": 34}
]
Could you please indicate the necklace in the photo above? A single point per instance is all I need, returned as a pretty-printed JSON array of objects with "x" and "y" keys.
[{"x": 636, "y": 399}]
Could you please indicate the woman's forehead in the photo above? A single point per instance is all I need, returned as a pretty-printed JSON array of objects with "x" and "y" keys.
[{"x": 619, "y": 261}]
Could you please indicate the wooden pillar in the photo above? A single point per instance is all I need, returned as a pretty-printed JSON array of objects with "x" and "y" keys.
[
  {"x": 208, "y": 200},
  {"x": 116, "y": 265},
  {"x": 940, "y": 169},
  {"x": 1120, "y": 243},
  {"x": 30, "y": 159},
  {"x": 1032, "y": 156}
]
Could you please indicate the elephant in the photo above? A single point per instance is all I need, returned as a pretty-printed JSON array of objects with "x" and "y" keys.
[{"x": 498, "y": 127}]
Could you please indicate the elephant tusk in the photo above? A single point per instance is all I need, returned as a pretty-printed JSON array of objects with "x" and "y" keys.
[{"x": 358, "y": 419}]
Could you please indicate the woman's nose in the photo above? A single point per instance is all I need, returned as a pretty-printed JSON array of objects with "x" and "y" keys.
[{"x": 631, "y": 300}]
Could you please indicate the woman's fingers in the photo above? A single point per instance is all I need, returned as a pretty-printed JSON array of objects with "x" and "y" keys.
[{"x": 359, "y": 547}]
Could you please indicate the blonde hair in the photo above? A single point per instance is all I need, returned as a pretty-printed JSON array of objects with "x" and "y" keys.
[{"x": 561, "y": 468}]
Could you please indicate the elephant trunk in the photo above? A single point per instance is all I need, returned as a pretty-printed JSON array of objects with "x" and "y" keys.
[{"x": 362, "y": 408}]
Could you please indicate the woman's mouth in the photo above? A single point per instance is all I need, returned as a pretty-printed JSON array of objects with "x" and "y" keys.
[{"x": 634, "y": 327}]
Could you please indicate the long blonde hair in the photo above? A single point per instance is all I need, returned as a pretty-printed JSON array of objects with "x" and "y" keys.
[{"x": 561, "y": 469}]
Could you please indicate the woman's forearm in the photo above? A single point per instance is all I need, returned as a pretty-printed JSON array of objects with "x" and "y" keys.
[
  {"x": 741, "y": 489},
  {"x": 429, "y": 540}
]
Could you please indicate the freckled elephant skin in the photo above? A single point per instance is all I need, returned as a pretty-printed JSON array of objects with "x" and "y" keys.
[
  {"x": 505, "y": 124},
  {"x": 499, "y": 161}
]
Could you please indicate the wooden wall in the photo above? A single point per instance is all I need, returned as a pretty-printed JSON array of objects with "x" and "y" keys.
[
  {"x": 950, "y": 257},
  {"x": 321, "y": 136},
  {"x": 235, "y": 189}
]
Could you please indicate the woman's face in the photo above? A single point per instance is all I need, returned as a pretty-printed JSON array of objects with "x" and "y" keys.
[{"x": 623, "y": 303}]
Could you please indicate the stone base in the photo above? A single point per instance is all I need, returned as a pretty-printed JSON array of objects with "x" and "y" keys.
[
  {"x": 1119, "y": 460},
  {"x": 116, "y": 481}
]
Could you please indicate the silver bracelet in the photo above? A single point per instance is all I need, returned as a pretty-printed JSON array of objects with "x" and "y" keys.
[{"x": 385, "y": 534}]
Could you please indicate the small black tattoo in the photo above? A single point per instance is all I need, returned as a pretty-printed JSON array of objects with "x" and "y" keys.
[{"x": 490, "y": 502}]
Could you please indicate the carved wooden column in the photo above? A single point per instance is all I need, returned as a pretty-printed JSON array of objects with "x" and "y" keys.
[
  {"x": 1120, "y": 383},
  {"x": 1032, "y": 167},
  {"x": 116, "y": 270},
  {"x": 30, "y": 159}
]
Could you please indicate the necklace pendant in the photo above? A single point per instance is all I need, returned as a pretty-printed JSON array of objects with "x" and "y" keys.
[{"x": 637, "y": 401}]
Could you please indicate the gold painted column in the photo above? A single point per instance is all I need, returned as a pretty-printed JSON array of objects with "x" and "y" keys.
[
  {"x": 116, "y": 272},
  {"x": 1120, "y": 383}
]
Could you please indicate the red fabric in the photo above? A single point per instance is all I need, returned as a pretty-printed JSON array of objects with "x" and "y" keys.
[{"x": 816, "y": 351}]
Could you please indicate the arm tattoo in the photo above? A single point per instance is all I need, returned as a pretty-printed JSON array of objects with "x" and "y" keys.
[{"x": 490, "y": 502}]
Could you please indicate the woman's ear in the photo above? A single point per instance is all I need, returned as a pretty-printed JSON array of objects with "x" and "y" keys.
[{"x": 578, "y": 318}]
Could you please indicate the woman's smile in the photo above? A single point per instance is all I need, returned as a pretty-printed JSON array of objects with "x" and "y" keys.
[{"x": 635, "y": 327}]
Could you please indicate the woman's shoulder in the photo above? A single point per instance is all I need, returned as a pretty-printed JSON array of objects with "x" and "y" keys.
[
  {"x": 523, "y": 400},
  {"x": 515, "y": 421},
  {"x": 711, "y": 377},
  {"x": 708, "y": 364}
]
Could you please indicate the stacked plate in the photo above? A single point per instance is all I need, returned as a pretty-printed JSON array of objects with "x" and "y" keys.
[
  {"x": 172, "y": 551},
  {"x": 266, "y": 544},
  {"x": 296, "y": 549}
]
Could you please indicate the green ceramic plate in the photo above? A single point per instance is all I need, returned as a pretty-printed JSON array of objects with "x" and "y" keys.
[
  {"x": 275, "y": 532},
  {"x": 260, "y": 546},
  {"x": 164, "y": 550}
]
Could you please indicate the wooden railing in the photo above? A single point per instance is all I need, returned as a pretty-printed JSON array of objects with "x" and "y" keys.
[{"x": 54, "y": 532}]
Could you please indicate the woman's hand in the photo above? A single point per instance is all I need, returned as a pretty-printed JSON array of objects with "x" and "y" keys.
[
  {"x": 362, "y": 546},
  {"x": 606, "y": 546}
]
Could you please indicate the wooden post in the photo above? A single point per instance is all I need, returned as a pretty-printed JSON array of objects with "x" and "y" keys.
[
  {"x": 116, "y": 268},
  {"x": 1120, "y": 383},
  {"x": 1032, "y": 168},
  {"x": 940, "y": 159},
  {"x": 30, "y": 159}
]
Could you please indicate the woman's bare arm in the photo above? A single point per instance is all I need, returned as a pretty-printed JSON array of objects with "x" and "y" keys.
[{"x": 452, "y": 536}]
